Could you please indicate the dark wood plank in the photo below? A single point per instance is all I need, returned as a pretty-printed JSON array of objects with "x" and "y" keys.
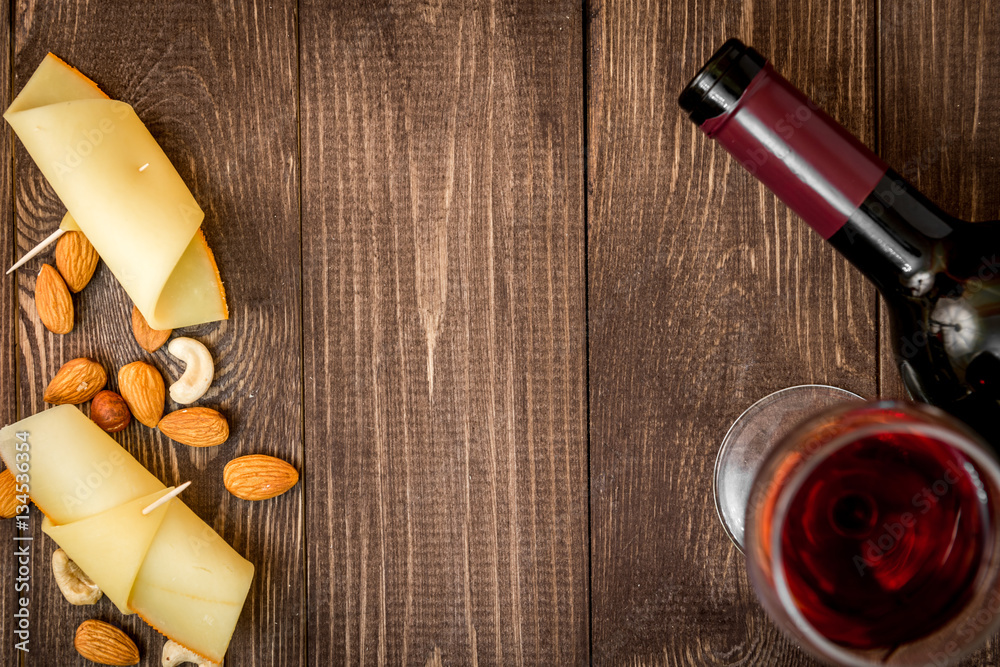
[
  {"x": 216, "y": 85},
  {"x": 938, "y": 114},
  {"x": 705, "y": 294},
  {"x": 445, "y": 332}
]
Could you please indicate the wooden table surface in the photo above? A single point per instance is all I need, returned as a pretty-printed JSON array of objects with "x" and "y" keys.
[{"x": 494, "y": 296}]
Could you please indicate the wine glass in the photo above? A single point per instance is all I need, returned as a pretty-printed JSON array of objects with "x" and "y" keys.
[
  {"x": 871, "y": 535},
  {"x": 752, "y": 436}
]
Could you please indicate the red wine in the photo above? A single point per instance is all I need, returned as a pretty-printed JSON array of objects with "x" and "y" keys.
[
  {"x": 883, "y": 541},
  {"x": 939, "y": 276},
  {"x": 871, "y": 535}
]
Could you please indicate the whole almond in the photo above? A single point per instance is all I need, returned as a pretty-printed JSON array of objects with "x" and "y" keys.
[
  {"x": 76, "y": 382},
  {"x": 105, "y": 644},
  {"x": 110, "y": 411},
  {"x": 149, "y": 339},
  {"x": 76, "y": 260},
  {"x": 258, "y": 477},
  {"x": 53, "y": 301},
  {"x": 197, "y": 427},
  {"x": 141, "y": 385},
  {"x": 8, "y": 495}
]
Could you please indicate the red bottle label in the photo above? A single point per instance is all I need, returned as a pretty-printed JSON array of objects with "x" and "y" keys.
[{"x": 801, "y": 154}]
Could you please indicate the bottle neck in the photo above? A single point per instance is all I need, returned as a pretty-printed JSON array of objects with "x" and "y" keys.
[
  {"x": 894, "y": 237},
  {"x": 801, "y": 154},
  {"x": 843, "y": 190}
]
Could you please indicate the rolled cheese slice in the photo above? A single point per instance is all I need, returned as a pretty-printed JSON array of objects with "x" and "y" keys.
[
  {"x": 122, "y": 192},
  {"x": 111, "y": 546},
  {"x": 75, "y": 469},
  {"x": 170, "y": 567},
  {"x": 192, "y": 584}
]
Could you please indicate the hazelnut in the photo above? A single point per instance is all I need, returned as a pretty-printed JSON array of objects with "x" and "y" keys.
[{"x": 109, "y": 411}]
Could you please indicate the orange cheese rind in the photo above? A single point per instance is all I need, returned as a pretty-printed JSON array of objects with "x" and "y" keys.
[
  {"x": 215, "y": 270},
  {"x": 77, "y": 73},
  {"x": 164, "y": 634}
]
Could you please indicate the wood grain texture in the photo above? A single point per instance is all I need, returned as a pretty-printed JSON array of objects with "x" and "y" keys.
[
  {"x": 420, "y": 351},
  {"x": 705, "y": 294},
  {"x": 938, "y": 114},
  {"x": 216, "y": 86},
  {"x": 444, "y": 338}
]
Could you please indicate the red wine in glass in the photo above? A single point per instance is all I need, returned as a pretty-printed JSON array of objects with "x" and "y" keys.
[
  {"x": 872, "y": 535},
  {"x": 882, "y": 543}
]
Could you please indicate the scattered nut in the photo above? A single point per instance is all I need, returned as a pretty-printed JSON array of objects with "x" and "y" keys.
[
  {"x": 198, "y": 370},
  {"x": 8, "y": 495},
  {"x": 197, "y": 427},
  {"x": 110, "y": 411},
  {"x": 76, "y": 382},
  {"x": 141, "y": 385},
  {"x": 149, "y": 339},
  {"x": 258, "y": 477},
  {"x": 175, "y": 654},
  {"x": 53, "y": 301},
  {"x": 76, "y": 260},
  {"x": 105, "y": 644},
  {"x": 76, "y": 586}
]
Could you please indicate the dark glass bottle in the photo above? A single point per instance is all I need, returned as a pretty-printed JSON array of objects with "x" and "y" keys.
[{"x": 939, "y": 276}]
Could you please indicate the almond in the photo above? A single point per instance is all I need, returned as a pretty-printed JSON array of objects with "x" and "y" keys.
[
  {"x": 105, "y": 644},
  {"x": 76, "y": 382},
  {"x": 8, "y": 495},
  {"x": 149, "y": 339},
  {"x": 76, "y": 260},
  {"x": 258, "y": 477},
  {"x": 141, "y": 385},
  {"x": 197, "y": 427},
  {"x": 53, "y": 301},
  {"x": 110, "y": 411}
]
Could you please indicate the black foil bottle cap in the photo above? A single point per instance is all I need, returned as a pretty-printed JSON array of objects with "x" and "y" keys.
[{"x": 722, "y": 81}]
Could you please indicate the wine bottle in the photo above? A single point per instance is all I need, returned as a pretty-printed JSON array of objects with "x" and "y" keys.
[{"x": 939, "y": 276}]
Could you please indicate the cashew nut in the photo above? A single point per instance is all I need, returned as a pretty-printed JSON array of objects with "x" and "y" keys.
[
  {"x": 175, "y": 654},
  {"x": 76, "y": 586},
  {"x": 198, "y": 370}
]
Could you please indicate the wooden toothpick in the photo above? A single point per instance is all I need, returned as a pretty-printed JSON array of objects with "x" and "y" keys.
[
  {"x": 159, "y": 501},
  {"x": 52, "y": 238}
]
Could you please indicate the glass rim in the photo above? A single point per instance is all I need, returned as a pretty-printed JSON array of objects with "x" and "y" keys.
[
  {"x": 976, "y": 450},
  {"x": 717, "y": 470}
]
